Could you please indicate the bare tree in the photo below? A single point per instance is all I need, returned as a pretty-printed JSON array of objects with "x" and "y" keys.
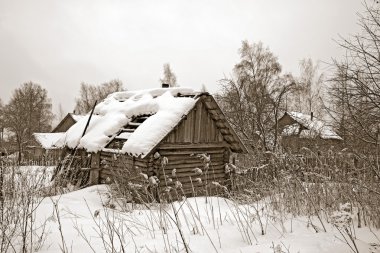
[
  {"x": 169, "y": 76},
  {"x": 90, "y": 93},
  {"x": 1, "y": 115},
  {"x": 1, "y": 125},
  {"x": 61, "y": 113},
  {"x": 28, "y": 111},
  {"x": 253, "y": 96},
  {"x": 306, "y": 97},
  {"x": 355, "y": 89}
]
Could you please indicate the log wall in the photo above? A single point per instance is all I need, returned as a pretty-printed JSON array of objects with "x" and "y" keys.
[
  {"x": 196, "y": 127},
  {"x": 113, "y": 165},
  {"x": 198, "y": 133},
  {"x": 185, "y": 161}
]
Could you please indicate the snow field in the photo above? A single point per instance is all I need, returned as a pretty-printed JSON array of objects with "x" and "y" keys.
[
  {"x": 92, "y": 220},
  {"x": 211, "y": 224}
]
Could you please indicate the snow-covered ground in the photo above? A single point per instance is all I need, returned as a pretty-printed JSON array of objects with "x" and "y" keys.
[
  {"x": 208, "y": 225},
  {"x": 90, "y": 220}
]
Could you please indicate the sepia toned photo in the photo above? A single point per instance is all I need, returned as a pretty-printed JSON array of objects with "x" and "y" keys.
[{"x": 230, "y": 126}]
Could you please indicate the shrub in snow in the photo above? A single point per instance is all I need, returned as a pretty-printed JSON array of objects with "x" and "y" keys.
[{"x": 343, "y": 217}]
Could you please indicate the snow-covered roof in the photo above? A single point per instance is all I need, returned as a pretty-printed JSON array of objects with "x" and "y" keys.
[
  {"x": 76, "y": 117},
  {"x": 64, "y": 122},
  {"x": 314, "y": 127},
  {"x": 163, "y": 109},
  {"x": 47, "y": 140}
]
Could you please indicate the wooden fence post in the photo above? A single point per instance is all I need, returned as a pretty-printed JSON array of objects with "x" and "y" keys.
[{"x": 95, "y": 169}]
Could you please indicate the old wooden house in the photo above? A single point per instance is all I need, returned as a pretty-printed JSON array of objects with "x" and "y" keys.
[
  {"x": 69, "y": 120},
  {"x": 172, "y": 137},
  {"x": 300, "y": 130},
  {"x": 41, "y": 148}
]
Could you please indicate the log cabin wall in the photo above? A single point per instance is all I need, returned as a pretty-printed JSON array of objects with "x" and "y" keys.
[
  {"x": 114, "y": 165},
  {"x": 196, "y": 134},
  {"x": 184, "y": 160},
  {"x": 197, "y": 127},
  {"x": 202, "y": 131}
]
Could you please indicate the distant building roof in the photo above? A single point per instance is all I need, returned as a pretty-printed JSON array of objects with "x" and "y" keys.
[
  {"x": 47, "y": 140},
  {"x": 312, "y": 127},
  {"x": 69, "y": 120},
  {"x": 76, "y": 117}
]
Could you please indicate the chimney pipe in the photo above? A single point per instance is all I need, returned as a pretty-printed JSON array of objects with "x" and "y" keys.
[{"x": 165, "y": 85}]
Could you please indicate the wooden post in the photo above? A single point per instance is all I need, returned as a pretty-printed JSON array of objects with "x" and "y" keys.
[
  {"x": 229, "y": 177},
  {"x": 95, "y": 169}
]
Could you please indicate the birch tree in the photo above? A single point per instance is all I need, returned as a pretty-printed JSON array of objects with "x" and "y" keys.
[
  {"x": 253, "y": 96},
  {"x": 307, "y": 95}
]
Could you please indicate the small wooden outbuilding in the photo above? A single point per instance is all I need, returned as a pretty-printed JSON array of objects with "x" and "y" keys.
[
  {"x": 42, "y": 149},
  {"x": 68, "y": 121},
  {"x": 301, "y": 130},
  {"x": 169, "y": 136}
]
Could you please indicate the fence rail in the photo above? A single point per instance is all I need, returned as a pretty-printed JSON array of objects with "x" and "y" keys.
[
  {"x": 315, "y": 168},
  {"x": 40, "y": 161}
]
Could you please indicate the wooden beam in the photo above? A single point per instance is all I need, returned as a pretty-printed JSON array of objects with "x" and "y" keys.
[
  {"x": 193, "y": 146},
  {"x": 128, "y": 130},
  {"x": 134, "y": 124}
]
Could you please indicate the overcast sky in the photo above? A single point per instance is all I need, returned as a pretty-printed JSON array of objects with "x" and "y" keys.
[{"x": 60, "y": 44}]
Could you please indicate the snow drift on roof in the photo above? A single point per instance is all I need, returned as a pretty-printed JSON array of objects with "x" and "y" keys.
[
  {"x": 119, "y": 108},
  {"x": 47, "y": 140},
  {"x": 316, "y": 127},
  {"x": 290, "y": 130},
  {"x": 76, "y": 117},
  {"x": 136, "y": 94}
]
